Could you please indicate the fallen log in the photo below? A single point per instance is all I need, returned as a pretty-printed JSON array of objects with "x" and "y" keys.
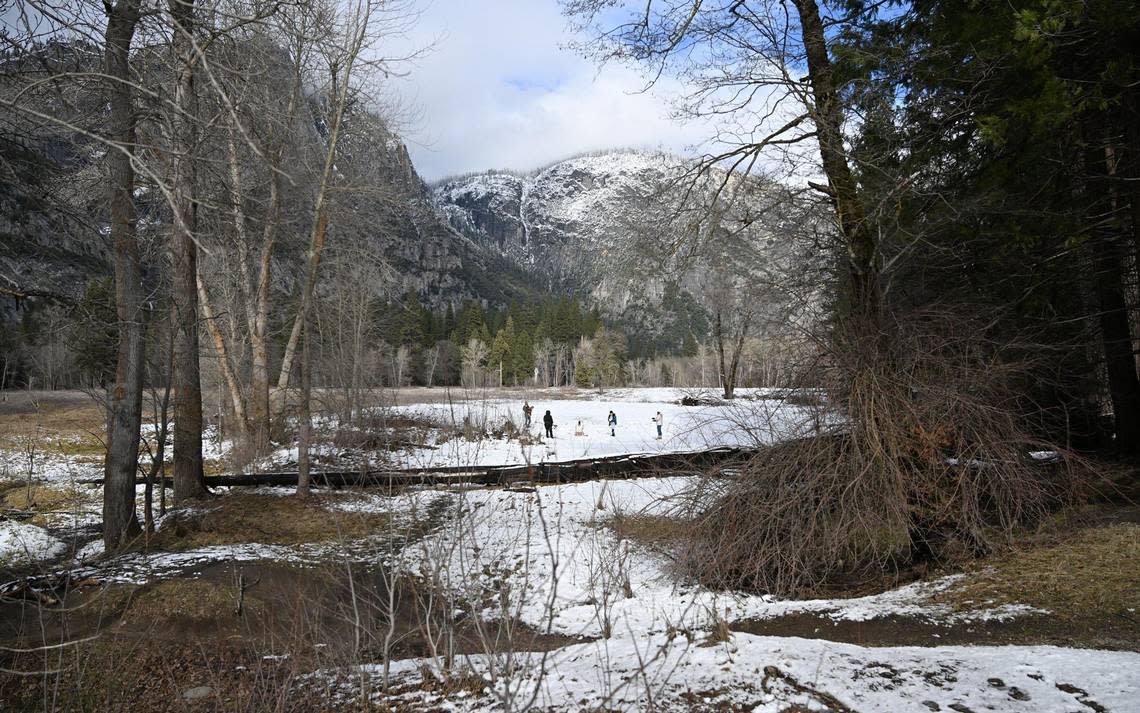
[{"x": 623, "y": 466}]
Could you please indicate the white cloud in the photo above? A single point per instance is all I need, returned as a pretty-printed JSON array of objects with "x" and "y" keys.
[{"x": 499, "y": 91}]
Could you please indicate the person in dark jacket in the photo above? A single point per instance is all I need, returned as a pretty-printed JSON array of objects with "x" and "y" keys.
[
  {"x": 612, "y": 421},
  {"x": 548, "y": 422}
]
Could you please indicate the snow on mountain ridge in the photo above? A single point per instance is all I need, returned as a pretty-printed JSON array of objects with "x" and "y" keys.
[
  {"x": 563, "y": 219},
  {"x": 620, "y": 230}
]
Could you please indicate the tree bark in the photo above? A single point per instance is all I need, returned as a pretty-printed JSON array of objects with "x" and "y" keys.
[
  {"x": 305, "y": 418},
  {"x": 316, "y": 247},
  {"x": 188, "y": 483},
  {"x": 729, "y": 366},
  {"x": 1123, "y": 386},
  {"x": 120, "y": 521},
  {"x": 718, "y": 334},
  {"x": 863, "y": 289},
  {"x": 258, "y": 342},
  {"x": 1116, "y": 333},
  {"x": 319, "y": 233}
]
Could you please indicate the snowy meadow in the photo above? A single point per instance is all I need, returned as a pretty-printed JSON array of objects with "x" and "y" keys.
[{"x": 550, "y": 597}]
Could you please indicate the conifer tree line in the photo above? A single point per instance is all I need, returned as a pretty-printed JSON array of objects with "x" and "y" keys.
[{"x": 547, "y": 342}]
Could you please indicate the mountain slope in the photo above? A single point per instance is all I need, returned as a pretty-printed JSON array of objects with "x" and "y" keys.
[
  {"x": 608, "y": 226},
  {"x": 562, "y": 221}
]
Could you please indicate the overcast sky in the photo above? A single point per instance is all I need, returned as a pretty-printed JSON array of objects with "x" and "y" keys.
[{"x": 500, "y": 91}]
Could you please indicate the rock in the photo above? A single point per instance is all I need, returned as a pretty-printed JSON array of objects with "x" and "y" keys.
[
  {"x": 197, "y": 693},
  {"x": 1017, "y": 694}
]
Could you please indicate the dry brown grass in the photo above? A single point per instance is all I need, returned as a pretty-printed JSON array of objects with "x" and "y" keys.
[
  {"x": 44, "y": 497},
  {"x": 1094, "y": 574},
  {"x": 267, "y": 519},
  {"x": 194, "y": 599},
  {"x": 655, "y": 531},
  {"x": 56, "y": 413}
]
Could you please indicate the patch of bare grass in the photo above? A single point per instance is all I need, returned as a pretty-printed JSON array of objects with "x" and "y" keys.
[
  {"x": 656, "y": 531},
  {"x": 195, "y": 599},
  {"x": 1094, "y": 574},
  {"x": 266, "y": 519},
  {"x": 44, "y": 497}
]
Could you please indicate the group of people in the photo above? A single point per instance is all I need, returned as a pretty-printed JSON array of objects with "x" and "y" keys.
[{"x": 580, "y": 429}]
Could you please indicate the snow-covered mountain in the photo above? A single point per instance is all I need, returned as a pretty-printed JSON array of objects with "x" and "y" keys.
[
  {"x": 607, "y": 226},
  {"x": 563, "y": 221}
]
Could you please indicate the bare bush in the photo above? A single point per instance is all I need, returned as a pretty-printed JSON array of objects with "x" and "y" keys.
[{"x": 924, "y": 456}]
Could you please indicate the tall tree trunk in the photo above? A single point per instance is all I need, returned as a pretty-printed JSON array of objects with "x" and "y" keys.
[
  {"x": 1123, "y": 386},
  {"x": 120, "y": 521},
  {"x": 188, "y": 482},
  {"x": 863, "y": 289},
  {"x": 718, "y": 334},
  {"x": 258, "y": 341},
  {"x": 305, "y": 418},
  {"x": 1120, "y": 361},
  {"x": 737, "y": 349},
  {"x": 316, "y": 248},
  {"x": 339, "y": 93}
]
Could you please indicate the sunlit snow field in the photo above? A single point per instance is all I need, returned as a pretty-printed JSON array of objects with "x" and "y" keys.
[{"x": 755, "y": 417}]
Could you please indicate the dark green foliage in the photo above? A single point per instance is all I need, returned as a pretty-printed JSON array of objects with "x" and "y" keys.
[
  {"x": 983, "y": 128},
  {"x": 511, "y": 333},
  {"x": 97, "y": 334}
]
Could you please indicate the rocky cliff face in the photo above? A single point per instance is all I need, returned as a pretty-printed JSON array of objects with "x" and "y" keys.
[
  {"x": 566, "y": 222},
  {"x": 600, "y": 225},
  {"x": 593, "y": 225},
  {"x": 424, "y": 253}
]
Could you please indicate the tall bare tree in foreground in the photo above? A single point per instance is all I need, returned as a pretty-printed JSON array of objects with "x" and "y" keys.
[
  {"x": 120, "y": 522},
  {"x": 188, "y": 482}
]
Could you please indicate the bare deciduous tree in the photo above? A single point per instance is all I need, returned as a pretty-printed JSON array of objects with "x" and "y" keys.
[{"x": 120, "y": 522}]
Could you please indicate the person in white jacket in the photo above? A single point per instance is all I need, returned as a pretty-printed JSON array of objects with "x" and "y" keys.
[{"x": 660, "y": 421}]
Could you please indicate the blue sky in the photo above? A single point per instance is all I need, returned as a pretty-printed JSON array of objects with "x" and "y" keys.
[{"x": 500, "y": 91}]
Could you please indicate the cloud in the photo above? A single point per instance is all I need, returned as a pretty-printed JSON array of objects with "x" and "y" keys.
[{"x": 499, "y": 91}]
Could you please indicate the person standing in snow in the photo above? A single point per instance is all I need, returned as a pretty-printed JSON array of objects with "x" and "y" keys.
[
  {"x": 660, "y": 421},
  {"x": 612, "y": 421},
  {"x": 527, "y": 411},
  {"x": 580, "y": 430},
  {"x": 548, "y": 422}
]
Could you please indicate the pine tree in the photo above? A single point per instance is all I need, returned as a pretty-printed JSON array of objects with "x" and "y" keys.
[
  {"x": 522, "y": 356},
  {"x": 500, "y": 355},
  {"x": 411, "y": 330}
]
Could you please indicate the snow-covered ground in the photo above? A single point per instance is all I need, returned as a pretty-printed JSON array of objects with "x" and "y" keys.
[
  {"x": 768, "y": 674},
  {"x": 548, "y": 559},
  {"x": 565, "y": 569},
  {"x": 645, "y": 637},
  {"x": 21, "y": 544},
  {"x": 581, "y": 430}
]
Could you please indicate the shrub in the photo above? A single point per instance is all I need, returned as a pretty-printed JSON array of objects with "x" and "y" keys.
[{"x": 927, "y": 459}]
